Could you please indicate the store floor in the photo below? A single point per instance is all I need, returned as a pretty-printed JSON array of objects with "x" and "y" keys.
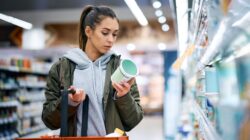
[{"x": 150, "y": 128}]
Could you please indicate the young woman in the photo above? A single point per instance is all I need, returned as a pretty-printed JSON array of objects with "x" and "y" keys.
[{"x": 87, "y": 70}]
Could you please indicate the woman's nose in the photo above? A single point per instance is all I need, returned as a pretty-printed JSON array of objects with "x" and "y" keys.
[{"x": 111, "y": 38}]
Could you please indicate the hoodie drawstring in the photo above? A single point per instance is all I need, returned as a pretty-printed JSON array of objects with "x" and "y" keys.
[
  {"x": 100, "y": 75},
  {"x": 94, "y": 81}
]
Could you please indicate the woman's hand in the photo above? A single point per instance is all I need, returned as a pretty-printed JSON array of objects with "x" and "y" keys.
[
  {"x": 78, "y": 96},
  {"x": 123, "y": 88}
]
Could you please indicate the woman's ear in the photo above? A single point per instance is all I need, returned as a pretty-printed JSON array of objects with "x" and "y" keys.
[{"x": 88, "y": 31}]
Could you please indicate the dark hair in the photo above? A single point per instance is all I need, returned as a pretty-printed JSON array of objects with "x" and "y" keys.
[{"x": 92, "y": 16}]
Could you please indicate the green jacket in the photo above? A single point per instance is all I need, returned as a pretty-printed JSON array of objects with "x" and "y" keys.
[{"x": 124, "y": 113}]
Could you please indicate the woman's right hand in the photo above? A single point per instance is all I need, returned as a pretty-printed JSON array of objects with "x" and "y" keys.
[{"x": 79, "y": 96}]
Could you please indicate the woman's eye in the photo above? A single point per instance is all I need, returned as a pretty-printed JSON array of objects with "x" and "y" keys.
[
  {"x": 104, "y": 33},
  {"x": 115, "y": 35}
]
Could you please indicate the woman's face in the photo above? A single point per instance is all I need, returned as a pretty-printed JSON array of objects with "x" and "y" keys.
[{"x": 104, "y": 35}]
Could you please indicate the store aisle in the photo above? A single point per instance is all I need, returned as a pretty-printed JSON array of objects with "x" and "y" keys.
[{"x": 151, "y": 128}]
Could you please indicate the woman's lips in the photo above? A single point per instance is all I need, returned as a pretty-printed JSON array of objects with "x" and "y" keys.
[{"x": 108, "y": 47}]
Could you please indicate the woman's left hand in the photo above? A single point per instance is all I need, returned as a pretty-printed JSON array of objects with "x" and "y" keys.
[{"x": 123, "y": 88}]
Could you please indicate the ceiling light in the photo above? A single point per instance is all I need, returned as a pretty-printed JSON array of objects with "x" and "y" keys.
[
  {"x": 16, "y": 21},
  {"x": 134, "y": 8},
  {"x": 131, "y": 47},
  {"x": 165, "y": 27},
  {"x": 162, "y": 19},
  {"x": 158, "y": 13},
  {"x": 34, "y": 39},
  {"x": 162, "y": 46},
  {"x": 156, "y": 4}
]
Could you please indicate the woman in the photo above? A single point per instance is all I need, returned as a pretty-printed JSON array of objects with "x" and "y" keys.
[{"x": 87, "y": 70}]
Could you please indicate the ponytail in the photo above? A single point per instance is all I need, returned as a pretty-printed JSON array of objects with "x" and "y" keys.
[{"x": 82, "y": 35}]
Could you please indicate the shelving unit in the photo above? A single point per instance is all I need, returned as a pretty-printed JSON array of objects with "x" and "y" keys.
[
  {"x": 217, "y": 72},
  {"x": 8, "y": 114},
  {"x": 206, "y": 128},
  {"x": 21, "y": 70},
  {"x": 150, "y": 81},
  {"x": 22, "y": 96}
]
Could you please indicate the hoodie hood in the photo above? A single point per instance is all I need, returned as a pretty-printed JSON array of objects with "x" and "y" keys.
[{"x": 82, "y": 61}]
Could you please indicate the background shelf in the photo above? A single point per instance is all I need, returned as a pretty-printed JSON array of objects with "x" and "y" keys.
[{"x": 207, "y": 129}]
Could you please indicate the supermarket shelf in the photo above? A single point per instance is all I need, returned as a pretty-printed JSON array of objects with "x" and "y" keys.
[
  {"x": 22, "y": 87},
  {"x": 33, "y": 86},
  {"x": 211, "y": 93},
  {"x": 13, "y": 136},
  {"x": 9, "y": 104},
  {"x": 8, "y": 120},
  {"x": 30, "y": 86},
  {"x": 32, "y": 130},
  {"x": 9, "y": 88},
  {"x": 218, "y": 40},
  {"x": 206, "y": 128},
  {"x": 221, "y": 41},
  {"x": 28, "y": 115},
  {"x": 33, "y": 97},
  {"x": 197, "y": 21},
  {"x": 23, "y": 100},
  {"x": 213, "y": 50},
  {"x": 21, "y": 70}
]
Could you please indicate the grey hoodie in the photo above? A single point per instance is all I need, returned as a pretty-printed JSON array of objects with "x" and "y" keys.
[{"x": 90, "y": 76}]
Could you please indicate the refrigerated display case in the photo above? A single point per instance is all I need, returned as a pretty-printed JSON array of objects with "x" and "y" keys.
[{"x": 216, "y": 100}]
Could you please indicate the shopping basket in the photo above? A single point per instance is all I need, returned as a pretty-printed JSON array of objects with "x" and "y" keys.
[{"x": 64, "y": 125}]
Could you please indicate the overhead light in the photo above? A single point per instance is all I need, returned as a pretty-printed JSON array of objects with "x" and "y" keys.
[
  {"x": 134, "y": 8},
  {"x": 131, "y": 47},
  {"x": 162, "y": 46},
  {"x": 156, "y": 4},
  {"x": 165, "y": 27},
  {"x": 158, "y": 13},
  {"x": 15, "y": 21},
  {"x": 34, "y": 39},
  {"x": 162, "y": 19}
]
